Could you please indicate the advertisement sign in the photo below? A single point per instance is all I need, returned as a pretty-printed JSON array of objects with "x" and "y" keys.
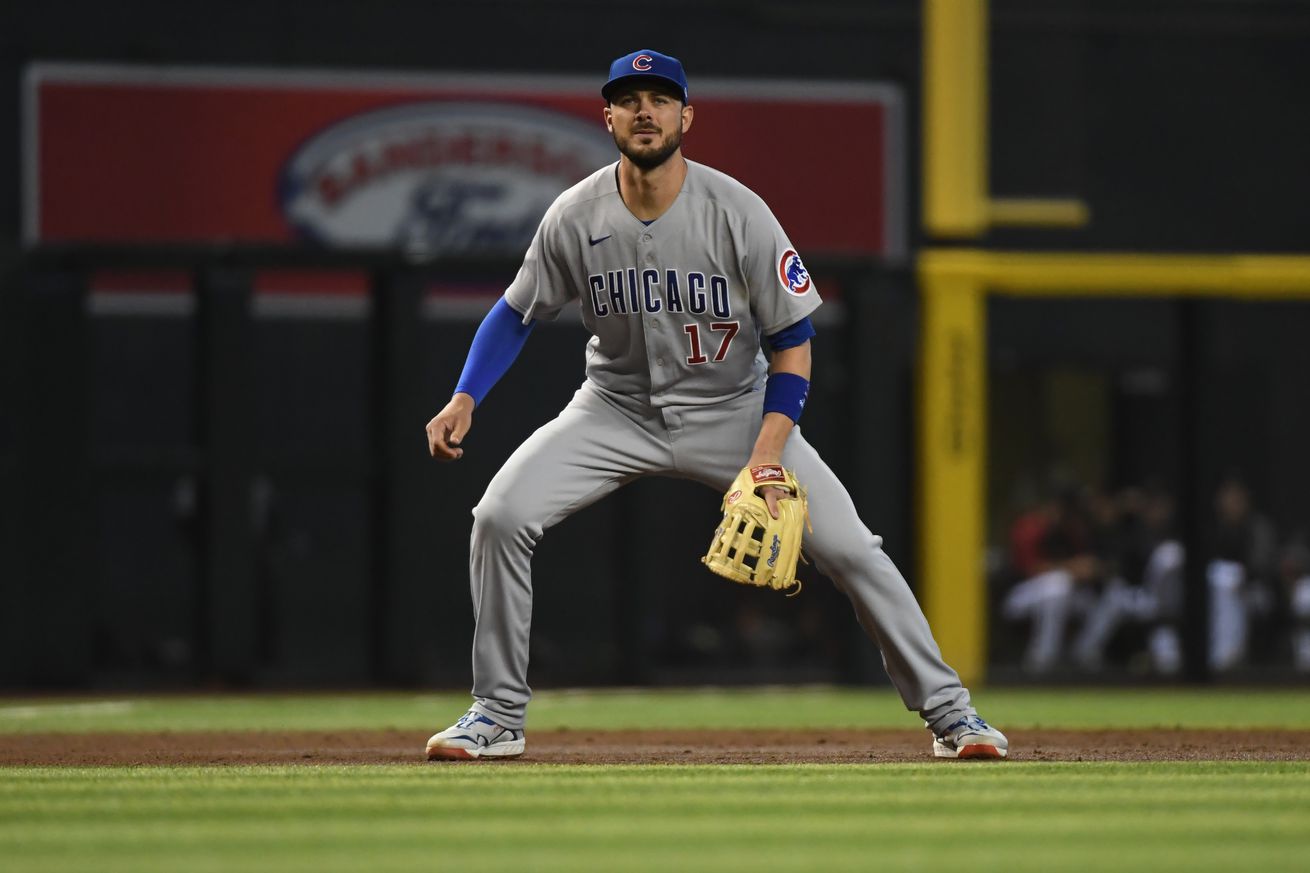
[{"x": 432, "y": 163}]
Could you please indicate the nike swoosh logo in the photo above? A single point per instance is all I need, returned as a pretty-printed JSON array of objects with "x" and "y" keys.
[{"x": 599, "y": 240}]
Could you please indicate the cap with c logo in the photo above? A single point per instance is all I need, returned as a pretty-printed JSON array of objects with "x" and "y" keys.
[{"x": 647, "y": 64}]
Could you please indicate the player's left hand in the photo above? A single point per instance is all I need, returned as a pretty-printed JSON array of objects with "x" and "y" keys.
[{"x": 771, "y": 497}]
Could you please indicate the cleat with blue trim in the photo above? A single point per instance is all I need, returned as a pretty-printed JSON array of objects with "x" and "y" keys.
[
  {"x": 475, "y": 736},
  {"x": 970, "y": 737}
]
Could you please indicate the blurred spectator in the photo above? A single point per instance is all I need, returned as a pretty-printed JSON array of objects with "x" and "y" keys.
[
  {"x": 1026, "y": 534},
  {"x": 1061, "y": 565},
  {"x": 1294, "y": 571},
  {"x": 1238, "y": 573},
  {"x": 1156, "y": 601}
]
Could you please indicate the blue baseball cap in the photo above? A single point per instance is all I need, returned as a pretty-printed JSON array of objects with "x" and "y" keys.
[{"x": 647, "y": 64}]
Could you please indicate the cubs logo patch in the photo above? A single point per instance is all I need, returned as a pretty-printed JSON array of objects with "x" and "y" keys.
[
  {"x": 734, "y": 497},
  {"x": 642, "y": 62},
  {"x": 792, "y": 273}
]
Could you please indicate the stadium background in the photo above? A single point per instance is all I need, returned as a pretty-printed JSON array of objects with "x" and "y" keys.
[{"x": 208, "y": 498}]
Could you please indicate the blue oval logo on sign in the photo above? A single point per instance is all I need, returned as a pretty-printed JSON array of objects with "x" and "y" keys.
[{"x": 438, "y": 178}]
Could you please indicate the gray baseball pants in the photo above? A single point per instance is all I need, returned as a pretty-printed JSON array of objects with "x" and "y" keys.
[{"x": 601, "y": 441}]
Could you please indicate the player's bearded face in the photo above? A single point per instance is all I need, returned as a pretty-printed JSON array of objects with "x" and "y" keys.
[
  {"x": 647, "y": 127},
  {"x": 649, "y": 151}
]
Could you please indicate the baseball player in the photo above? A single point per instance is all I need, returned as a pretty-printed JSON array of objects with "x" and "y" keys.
[{"x": 679, "y": 272}]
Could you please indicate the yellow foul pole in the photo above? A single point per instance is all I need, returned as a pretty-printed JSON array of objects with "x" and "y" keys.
[
  {"x": 955, "y": 190},
  {"x": 952, "y": 451},
  {"x": 952, "y": 380}
]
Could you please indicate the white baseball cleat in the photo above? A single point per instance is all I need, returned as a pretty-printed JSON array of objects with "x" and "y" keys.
[
  {"x": 476, "y": 736},
  {"x": 970, "y": 737}
]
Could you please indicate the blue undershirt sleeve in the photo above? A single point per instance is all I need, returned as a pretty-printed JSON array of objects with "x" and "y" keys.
[
  {"x": 497, "y": 343},
  {"x": 790, "y": 337}
]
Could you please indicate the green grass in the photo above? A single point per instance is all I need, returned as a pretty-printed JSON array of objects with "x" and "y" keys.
[
  {"x": 711, "y": 708},
  {"x": 1016, "y": 816},
  {"x": 1038, "y": 817}
]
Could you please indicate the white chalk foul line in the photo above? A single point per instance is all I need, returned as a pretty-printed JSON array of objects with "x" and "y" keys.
[{"x": 39, "y": 710}]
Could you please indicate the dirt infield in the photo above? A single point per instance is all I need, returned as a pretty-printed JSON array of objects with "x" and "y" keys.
[{"x": 640, "y": 747}]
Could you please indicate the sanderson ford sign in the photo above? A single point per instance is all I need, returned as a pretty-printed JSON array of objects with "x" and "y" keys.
[
  {"x": 439, "y": 162},
  {"x": 438, "y": 178}
]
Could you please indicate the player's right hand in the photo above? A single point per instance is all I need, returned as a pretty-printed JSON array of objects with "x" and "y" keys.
[{"x": 447, "y": 429}]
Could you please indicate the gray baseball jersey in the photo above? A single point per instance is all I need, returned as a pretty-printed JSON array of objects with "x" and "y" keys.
[{"x": 676, "y": 307}]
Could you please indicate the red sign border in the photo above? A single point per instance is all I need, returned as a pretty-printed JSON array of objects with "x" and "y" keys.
[{"x": 889, "y": 96}]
